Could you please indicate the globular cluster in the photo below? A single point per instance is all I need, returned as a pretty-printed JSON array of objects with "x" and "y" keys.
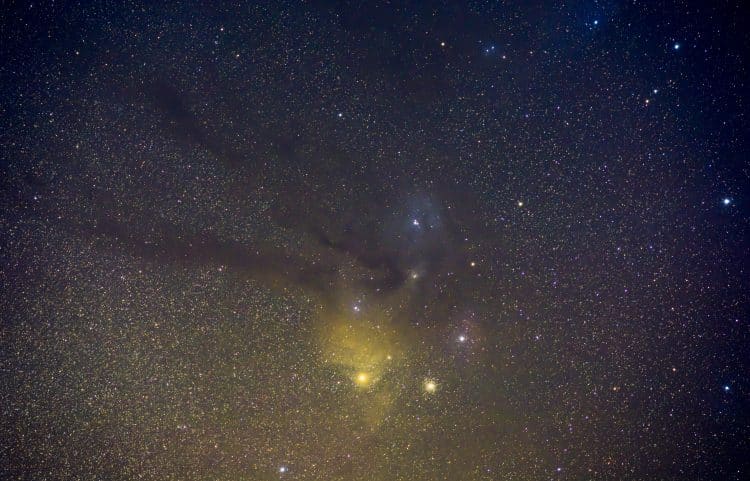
[{"x": 364, "y": 241}]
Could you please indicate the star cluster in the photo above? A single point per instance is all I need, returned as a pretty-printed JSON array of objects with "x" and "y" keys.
[{"x": 359, "y": 241}]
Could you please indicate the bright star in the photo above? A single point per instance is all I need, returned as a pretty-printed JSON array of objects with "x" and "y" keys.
[
  {"x": 726, "y": 201},
  {"x": 676, "y": 46},
  {"x": 415, "y": 222},
  {"x": 362, "y": 379},
  {"x": 461, "y": 338},
  {"x": 283, "y": 469},
  {"x": 430, "y": 386},
  {"x": 596, "y": 22},
  {"x": 726, "y": 388}
]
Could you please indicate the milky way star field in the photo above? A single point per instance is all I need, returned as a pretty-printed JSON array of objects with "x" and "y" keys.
[{"x": 375, "y": 241}]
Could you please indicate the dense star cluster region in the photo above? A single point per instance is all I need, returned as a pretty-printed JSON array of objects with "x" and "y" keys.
[{"x": 402, "y": 241}]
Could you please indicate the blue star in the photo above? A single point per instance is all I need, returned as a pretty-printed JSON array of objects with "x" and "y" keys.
[
  {"x": 726, "y": 388},
  {"x": 726, "y": 201},
  {"x": 676, "y": 46}
]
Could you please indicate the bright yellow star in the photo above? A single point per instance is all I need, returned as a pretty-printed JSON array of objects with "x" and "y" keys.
[
  {"x": 362, "y": 379},
  {"x": 430, "y": 386}
]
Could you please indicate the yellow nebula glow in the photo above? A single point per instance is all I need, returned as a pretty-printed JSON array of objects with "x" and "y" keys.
[
  {"x": 366, "y": 348},
  {"x": 360, "y": 345}
]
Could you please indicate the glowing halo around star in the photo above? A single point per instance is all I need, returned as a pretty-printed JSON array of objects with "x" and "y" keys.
[{"x": 362, "y": 379}]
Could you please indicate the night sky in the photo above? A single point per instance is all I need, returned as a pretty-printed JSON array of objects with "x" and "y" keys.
[{"x": 405, "y": 241}]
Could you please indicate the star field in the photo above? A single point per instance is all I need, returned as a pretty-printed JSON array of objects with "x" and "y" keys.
[{"x": 347, "y": 241}]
